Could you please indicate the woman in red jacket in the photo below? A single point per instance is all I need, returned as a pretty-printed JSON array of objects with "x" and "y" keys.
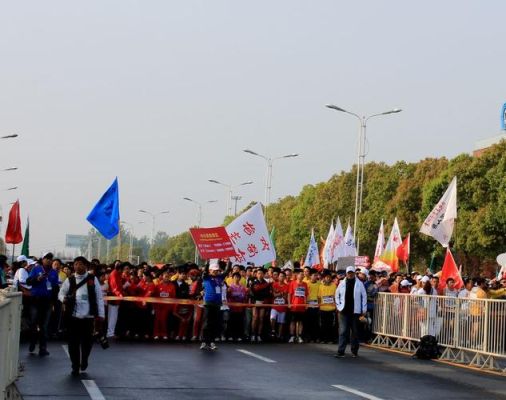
[{"x": 164, "y": 290}]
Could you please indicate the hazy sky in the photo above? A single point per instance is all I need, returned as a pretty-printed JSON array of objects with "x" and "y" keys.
[{"x": 165, "y": 95}]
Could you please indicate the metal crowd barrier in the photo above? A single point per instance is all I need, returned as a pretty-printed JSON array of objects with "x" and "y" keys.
[
  {"x": 10, "y": 324},
  {"x": 470, "y": 331}
]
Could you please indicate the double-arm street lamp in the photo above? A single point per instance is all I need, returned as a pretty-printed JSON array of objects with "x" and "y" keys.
[
  {"x": 360, "y": 160},
  {"x": 230, "y": 187},
  {"x": 153, "y": 217},
  {"x": 268, "y": 178}
]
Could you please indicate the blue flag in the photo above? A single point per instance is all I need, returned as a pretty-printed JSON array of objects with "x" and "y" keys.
[{"x": 105, "y": 215}]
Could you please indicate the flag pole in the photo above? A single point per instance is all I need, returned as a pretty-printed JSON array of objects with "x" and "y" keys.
[
  {"x": 13, "y": 248},
  {"x": 119, "y": 242}
]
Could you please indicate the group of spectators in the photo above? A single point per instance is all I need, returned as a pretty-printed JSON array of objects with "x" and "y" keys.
[{"x": 291, "y": 304}]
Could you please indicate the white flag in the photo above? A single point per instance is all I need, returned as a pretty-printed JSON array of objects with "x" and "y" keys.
[
  {"x": 327, "y": 259},
  {"x": 250, "y": 238},
  {"x": 350, "y": 250},
  {"x": 440, "y": 222},
  {"x": 337, "y": 249},
  {"x": 312, "y": 257},
  {"x": 380, "y": 243}
]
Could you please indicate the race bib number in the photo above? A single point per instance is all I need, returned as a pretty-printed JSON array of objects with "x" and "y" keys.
[
  {"x": 300, "y": 292},
  {"x": 48, "y": 285},
  {"x": 164, "y": 294},
  {"x": 218, "y": 289},
  {"x": 328, "y": 299},
  {"x": 279, "y": 300},
  {"x": 312, "y": 302},
  {"x": 83, "y": 297}
]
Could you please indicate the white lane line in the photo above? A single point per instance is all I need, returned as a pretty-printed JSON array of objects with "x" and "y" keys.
[
  {"x": 249, "y": 353},
  {"x": 356, "y": 392},
  {"x": 93, "y": 390},
  {"x": 66, "y": 349}
]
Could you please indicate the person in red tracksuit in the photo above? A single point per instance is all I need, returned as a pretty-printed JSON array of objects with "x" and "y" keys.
[
  {"x": 148, "y": 289},
  {"x": 115, "y": 289},
  {"x": 164, "y": 290}
]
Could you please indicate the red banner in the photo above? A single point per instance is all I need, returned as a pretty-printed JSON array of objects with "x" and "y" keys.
[
  {"x": 213, "y": 242},
  {"x": 362, "y": 261},
  {"x": 13, "y": 234}
]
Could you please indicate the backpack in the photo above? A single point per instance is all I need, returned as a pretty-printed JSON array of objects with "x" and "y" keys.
[{"x": 428, "y": 348}]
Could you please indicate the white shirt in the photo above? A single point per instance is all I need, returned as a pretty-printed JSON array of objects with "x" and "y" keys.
[
  {"x": 82, "y": 309},
  {"x": 20, "y": 277}
]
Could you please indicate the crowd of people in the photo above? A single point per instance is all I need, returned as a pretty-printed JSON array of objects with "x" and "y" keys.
[{"x": 228, "y": 302}]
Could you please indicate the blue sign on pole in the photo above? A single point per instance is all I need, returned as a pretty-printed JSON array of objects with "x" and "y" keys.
[{"x": 503, "y": 117}]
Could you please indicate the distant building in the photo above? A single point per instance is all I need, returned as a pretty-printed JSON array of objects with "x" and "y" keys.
[{"x": 483, "y": 145}]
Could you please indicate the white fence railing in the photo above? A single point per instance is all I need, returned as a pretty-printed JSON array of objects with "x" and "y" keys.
[
  {"x": 10, "y": 322},
  {"x": 471, "y": 331}
]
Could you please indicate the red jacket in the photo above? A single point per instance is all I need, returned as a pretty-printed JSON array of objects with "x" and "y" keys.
[{"x": 115, "y": 285}]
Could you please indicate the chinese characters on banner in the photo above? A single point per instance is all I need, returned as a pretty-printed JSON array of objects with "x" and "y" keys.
[
  {"x": 212, "y": 242},
  {"x": 250, "y": 238}
]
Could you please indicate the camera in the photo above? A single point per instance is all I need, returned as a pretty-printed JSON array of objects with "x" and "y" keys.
[{"x": 101, "y": 340}]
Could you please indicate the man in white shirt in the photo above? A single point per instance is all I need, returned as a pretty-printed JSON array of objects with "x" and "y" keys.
[{"x": 82, "y": 296}]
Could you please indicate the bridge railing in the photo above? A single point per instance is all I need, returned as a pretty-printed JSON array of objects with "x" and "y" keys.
[
  {"x": 470, "y": 331},
  {"x": 10, "y": 323}
]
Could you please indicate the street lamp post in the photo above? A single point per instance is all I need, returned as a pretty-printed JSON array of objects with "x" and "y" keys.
[
  {"x": 359, "y": 188},
  {"x": 236, "y": 199},
  {"x": 153, "y": 217},
  {"x": 268, "y": 178},
  {"x": 199, "y": 219},
  {"x": 130, "y": 250},
  {"x": 230, "y": 187}
]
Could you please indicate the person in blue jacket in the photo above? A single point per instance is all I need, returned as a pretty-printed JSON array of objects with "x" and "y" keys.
[
  {"x": 44, "y": 281},
  {"x": 212, "y": 282}
]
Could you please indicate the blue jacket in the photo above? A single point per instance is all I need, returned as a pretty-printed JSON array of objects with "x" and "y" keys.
[
  {"x": 212, "y": 289},
  {"x": 44, "y": 287}
]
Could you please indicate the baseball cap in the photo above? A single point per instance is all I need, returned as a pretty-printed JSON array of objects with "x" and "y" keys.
[
  {"x": 30, "y": 261},
  {"x": 405, "y": 282},
  {"x": 21, "y": 258},
  {"x": 214, "y": 267},
  {"x": 425, "y": 279},
  {"x": 350, "y": 269},
  {"x": 48, "y": 255}
]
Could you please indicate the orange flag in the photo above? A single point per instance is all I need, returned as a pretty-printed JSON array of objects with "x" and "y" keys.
[{"x": 450, "y": 270}]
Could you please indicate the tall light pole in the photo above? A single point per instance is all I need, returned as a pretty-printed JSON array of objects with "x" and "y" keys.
[
  {"x": 199, "y": 219},
  {"x": 360, "y": 160},
  {"x": 130, "y": 250},
  {"x": 236, "y": 199},
  {"x": 230, "y": 187},
  {"x": 153, "y": 217},
  {"x": 199, "y": 204},
  {"x": 268, "y": 178}
]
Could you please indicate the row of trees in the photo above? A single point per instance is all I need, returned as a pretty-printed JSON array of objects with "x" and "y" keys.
[{"x": 404, "y": 190}]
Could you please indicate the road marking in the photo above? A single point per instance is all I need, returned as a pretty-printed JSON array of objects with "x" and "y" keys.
[
  {"x": 66, "y": 349},
  {"x": 93, "y": 390},
  {"x": 249, "y": 353},
  {"x": 357, "y": 392}
]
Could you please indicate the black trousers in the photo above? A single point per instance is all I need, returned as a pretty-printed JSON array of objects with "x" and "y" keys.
[
  {"x": 80, "y": 340},
  {"x": 327, "y": 325},
  {"x": 212, "y": 323},
  {"x": 40, "y": 312},
  {"x": 311, "y": 324},
  {"x": 236, "y": 324}
]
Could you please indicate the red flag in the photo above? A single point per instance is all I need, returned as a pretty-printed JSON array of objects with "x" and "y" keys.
[
  {"x": 403, "y": 249},
  {"x": 13, "y": 234},
  {"x": 450, "y": 270}
]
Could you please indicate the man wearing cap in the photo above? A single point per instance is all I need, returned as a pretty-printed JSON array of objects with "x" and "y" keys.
[
  {"x": 351, "y": 302},
  {"x": 43, "y": 280},
  {"x": 212, "y": 281}
]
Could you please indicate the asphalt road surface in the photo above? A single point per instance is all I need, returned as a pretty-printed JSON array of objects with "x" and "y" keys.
[{"x": 243, "y": 371}]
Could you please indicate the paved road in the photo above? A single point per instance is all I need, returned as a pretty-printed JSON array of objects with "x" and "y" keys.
[{"x": 181, "y": 371}]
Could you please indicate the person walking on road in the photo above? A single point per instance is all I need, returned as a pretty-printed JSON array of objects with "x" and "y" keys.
[
  {"x": 351, "y": 302},
  {"x": 43, "y": 280},
  {"x": 82, "y": 297},
  {"x": 213, "y": 285}
]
